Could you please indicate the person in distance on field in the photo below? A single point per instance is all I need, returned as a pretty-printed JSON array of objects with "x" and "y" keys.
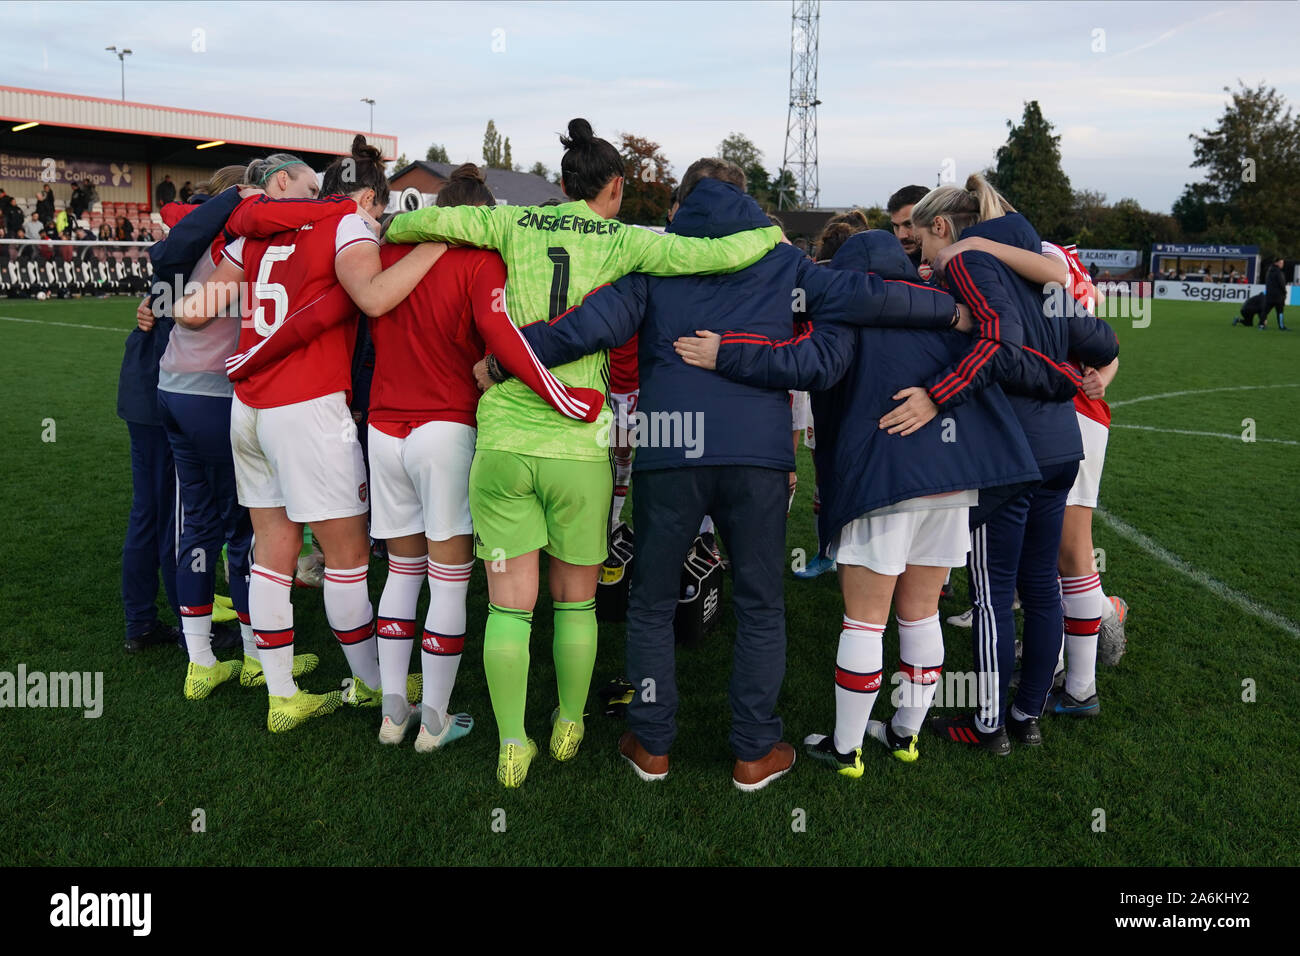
[{"x": 1275, "y": 294}]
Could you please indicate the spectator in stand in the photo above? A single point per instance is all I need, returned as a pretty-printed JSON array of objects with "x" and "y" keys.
[
  {"x": 165, "y": 191},
  {"x": 32, "y": 227},
  {"x": 187, "y": 191},
  {"x": 92, "y": 194},
  {"x": 125, "y": 231},
  {"x": 78, "y": 203},
  {"x": 1092, "y": 272},
  {"x": 45, "y": 204},
  {"x": 106, "y": 233},
  {"x": 61, "y": 221},
  {"x": 11, "y": 217}
]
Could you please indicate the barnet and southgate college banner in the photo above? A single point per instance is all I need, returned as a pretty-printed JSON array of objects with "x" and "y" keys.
[{"x": 56, "y": 170}]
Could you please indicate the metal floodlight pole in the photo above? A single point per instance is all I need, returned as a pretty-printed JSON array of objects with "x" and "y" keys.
[
  {"x": 366, "y": 99},
  {"x": 800, "y": 156},
  {"x": 121, "y": 59}
]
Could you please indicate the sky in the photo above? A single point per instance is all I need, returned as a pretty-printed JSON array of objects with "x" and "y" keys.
[{"x": 906, "y": 89}]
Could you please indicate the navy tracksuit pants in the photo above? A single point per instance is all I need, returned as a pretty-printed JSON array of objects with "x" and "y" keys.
[
  {"x": 198, "y": 428},
  {"x": 150, "y": 543},
  {"x": 1017, "y": 548},
  {"x": 748, "y": 506}
]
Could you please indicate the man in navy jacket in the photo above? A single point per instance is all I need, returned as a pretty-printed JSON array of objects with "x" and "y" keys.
[
  {"x": 1275, "y": 294},
  {"x": 708, "y": 445},
  {"x": 151, "y": 533}
]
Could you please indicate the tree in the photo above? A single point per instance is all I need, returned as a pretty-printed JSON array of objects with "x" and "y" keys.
[
  {"x": 1029, "y": 173},
  {"x": 1194, "y": 209},
  {"x": 506, "y": 161},
  {"x": 739, "y": 149},
  {"x": 491, "y": 146},
  {"x": 539, "y": 169},
  {"x": 1252, "y": 170},
  {"x": 785, "y": 185},
  {"x": 399, "y": 164},
  {"x": 877, "y": 217},
  {"x": 647, "y": 184},
  {"x": 437, "y": 154}
]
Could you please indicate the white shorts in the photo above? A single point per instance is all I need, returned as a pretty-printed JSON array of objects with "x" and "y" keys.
[
  {"x": 420, "y": 483},
  {"x": 1088, "y": 482},
  {"x": 800, "y": 411},
  {"x": 887, "y": 544},
  {"x": 624, "y": 404},
  {"x": 303, "y": 457}
]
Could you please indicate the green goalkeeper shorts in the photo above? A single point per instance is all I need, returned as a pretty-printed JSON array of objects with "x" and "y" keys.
[{"x": 521, "y": 503}]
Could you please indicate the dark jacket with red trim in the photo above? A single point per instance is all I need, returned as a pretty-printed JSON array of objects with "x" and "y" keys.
[
  {"x": 1009, "y": 311},
  {"x": 172, "y": 260},
  {"x": 854, "y": 373},
  {"x": 735, "y": 423}
]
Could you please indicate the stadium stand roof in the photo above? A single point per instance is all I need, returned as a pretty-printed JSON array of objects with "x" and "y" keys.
[{"x": 90, "y": 134}]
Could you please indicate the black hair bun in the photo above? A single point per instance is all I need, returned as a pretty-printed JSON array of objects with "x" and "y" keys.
[
  {"x": 362, "y": 150},
  {"x": 467, "y": 171},
  {"x": 580, "y": 134}
]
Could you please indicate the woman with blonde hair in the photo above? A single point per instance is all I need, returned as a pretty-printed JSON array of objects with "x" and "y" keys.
[{"x": 1014, "y": 544}]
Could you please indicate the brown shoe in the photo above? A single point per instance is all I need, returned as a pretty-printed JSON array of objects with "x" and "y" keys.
[
  {"x": 647, "y": 766},
  {"x": 757, "y": 774}
]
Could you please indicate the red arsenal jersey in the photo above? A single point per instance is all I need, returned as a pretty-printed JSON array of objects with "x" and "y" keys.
[
  {"x": 1084, "y": 292},
  {"x": 425, "y": 349},
  {"x": 287, "y": 273},
  {"x": 623, "y": 376}
]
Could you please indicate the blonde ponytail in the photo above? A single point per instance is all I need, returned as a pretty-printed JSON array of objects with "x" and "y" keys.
[
  {"x": 962, "y": 208},
  {"x": 992, "y": 203}
]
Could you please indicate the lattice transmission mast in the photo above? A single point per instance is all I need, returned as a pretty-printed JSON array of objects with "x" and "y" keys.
[{"x": 801, "y": 122}]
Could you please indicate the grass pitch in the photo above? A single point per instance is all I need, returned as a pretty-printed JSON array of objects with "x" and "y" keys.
[{"x": 1185, "y": 770}]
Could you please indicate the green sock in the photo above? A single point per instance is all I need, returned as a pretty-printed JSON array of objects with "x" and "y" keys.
[
  {"x": 505, "y": 660},
  {"x": 575, "y": 654}
]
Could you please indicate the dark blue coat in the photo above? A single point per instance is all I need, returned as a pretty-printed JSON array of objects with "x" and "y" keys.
[
  {"x": 742, "y": 424},
  {"x": 173, "y": 259},
  {"x": 854, "y": 373},
  {"x": 1009, "y": 311}
]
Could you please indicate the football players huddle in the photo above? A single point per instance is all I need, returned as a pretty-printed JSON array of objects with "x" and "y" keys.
[{"x": 959, "y": 421}]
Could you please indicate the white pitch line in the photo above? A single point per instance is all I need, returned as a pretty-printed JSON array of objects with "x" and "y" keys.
[
  {"x": 66, "y": 325},
  {"x": 1235, "y": 436},
  {"x": 1197, "y": 391},
  {"x": 1242, "y": 601}
]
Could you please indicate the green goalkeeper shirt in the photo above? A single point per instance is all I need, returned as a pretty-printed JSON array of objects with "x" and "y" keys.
[{"x": 555, "y": 256}]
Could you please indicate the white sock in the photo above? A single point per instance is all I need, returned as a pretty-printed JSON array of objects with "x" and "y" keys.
[
  {"x": 250, "y": 638},
  {"x": 1107, "y": 607},
  {"x": 1083, "y": 601},
  {"x": 920, "y": 660},
  {"x": 706, "y": 525},
  {"x": 622, "y": 475},
  {"x": 444, "y": 632},
  {"x": 348, "y": 610},
  {"x": 271, "y": 615},
  {"x": 1017, "y": 714},
  {"x": 395, "y": 626},
  {"x": 197, "y": 628},
  {"x": 858, "y": 666}
]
